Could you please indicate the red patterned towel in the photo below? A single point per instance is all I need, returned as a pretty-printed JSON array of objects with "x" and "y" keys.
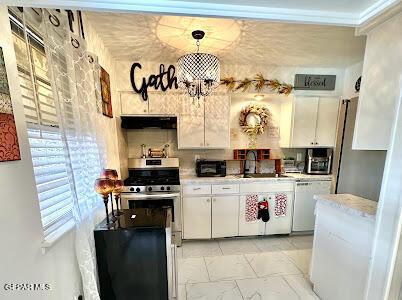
[
  {"x": 251, "y": 210},
  {"x": 280, "y": 205}
]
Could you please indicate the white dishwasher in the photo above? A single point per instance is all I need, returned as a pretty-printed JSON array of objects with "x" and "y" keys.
[{"x": 304, "y": 203}]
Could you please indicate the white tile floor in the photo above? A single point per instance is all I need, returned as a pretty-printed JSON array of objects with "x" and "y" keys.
[{"x": 246, "y": 268}]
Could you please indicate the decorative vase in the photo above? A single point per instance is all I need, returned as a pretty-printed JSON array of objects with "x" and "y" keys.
[
  {"x": 118, "y": 187},
  {"x": 104, "y": 186}
]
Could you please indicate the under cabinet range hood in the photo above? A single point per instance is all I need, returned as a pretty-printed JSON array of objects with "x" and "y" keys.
[{"x": 138, "y": 122}]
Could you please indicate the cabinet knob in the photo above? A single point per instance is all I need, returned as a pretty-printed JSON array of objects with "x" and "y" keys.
[
  {"x": 145, "y": 110},
  {"x": 312, "y": 143},
  {"x": 213, "y": 199},
  {"x": 207, "y": 144},
  {"x": 208, "y": 200},
  {"x": 316, "y": 143}
]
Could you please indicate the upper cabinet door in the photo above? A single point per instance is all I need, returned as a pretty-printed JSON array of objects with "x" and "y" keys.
[
  {"x": 133, "y": 104},
  {"x": 190, "y": 133},
  {"x": 217, "y": 126},
  {"x": 327, "y": 118},
  {"x": 163, "y": 104},
  {"x": 304, "y": 121}
]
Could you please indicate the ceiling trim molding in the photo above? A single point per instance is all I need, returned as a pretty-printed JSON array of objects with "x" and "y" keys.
[
  {"x": 202, "y": 9},
  {"x": 379, "y": 19},
  {"x": 376, "y": 9},
  {"x": 199, "y": 9}
]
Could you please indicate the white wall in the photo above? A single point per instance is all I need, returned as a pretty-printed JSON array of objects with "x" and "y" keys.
[
  {"x": 284, "y": 73},
  {"x": 157, "y": 138},
  {"x": 352, "y": 73},
  {"x": 21, "y": 231},
  {"x": 111, "y": 126},
  {"x": 380, "y": 87}
]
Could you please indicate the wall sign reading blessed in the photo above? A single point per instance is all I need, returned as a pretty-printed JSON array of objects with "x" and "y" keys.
[
  {"x": 314, "y": 82},
  {"x": 165, "y": 80}
]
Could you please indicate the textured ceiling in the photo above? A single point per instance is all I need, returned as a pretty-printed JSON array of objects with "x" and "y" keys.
[
  {"x": 134, "y": 37},
  {"x": 355, "y": 6}
]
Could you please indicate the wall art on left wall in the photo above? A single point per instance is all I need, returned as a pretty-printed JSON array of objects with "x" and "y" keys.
[
  {"x": 9, "y": 147},
  {"x": 106, "y": 95}
]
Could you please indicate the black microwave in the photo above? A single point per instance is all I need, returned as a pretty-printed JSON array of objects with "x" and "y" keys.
[{"x": 210, "y": 168}]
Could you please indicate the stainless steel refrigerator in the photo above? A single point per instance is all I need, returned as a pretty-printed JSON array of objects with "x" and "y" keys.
[{"x": 358, "y": 172}]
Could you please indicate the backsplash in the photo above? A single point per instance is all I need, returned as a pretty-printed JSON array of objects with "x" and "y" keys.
[{"x": 157, "y": 138}]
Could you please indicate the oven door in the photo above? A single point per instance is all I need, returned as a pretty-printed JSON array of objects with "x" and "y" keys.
[{"x": 155, "y": 200}]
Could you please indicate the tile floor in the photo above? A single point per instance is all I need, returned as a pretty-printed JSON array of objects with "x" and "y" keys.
[{"x": 259, "y": 268}]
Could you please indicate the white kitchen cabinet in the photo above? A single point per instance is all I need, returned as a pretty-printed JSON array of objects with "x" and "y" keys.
[
  {"x": 341, "y": 253},
  {"x": 279, "y": 224},
  {"x": 217, "y": 125},
  {"x": 219, "y": 210},
  {"x": 313, "y": 122},
  {"x": 251, "y": 228},
  {"x": 225, "y": 214},
  {"x": 305, "y": 111},
  {"x": 327, "y": 119},
  {"x": 164, "y": 104},
  {"x": 133, "y": 104},
  {"x": 191, "y": 132},
  {"x": 275, "y": 225},
  {"x": 206, "y": 126},
  {"x": 197, "y": 217}
]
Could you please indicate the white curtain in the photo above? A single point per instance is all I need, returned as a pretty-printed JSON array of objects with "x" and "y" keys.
[{"x": 76, "y": 89}]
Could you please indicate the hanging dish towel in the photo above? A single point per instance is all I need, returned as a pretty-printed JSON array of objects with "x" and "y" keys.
[
  {"x": 263, "y": 210},
  {"x": 251, "y": 210},
  {"x": 280, "y": 205}
]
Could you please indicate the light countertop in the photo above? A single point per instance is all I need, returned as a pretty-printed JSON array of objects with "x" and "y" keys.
[
  {"x": 233, "y": 179},
  {"x": 193, "y": 179},
  {"x": 350, "y": 204}
]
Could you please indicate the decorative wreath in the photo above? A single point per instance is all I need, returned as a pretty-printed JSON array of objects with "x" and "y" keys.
[{"x": 262, "y": 111}]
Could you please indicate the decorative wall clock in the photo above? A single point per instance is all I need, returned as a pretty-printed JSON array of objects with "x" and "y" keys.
[{"x": 357, "y": 84}]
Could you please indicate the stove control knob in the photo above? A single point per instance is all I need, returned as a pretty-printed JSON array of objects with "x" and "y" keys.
[
  {"x": 149, "y": 189},
  {"x": 131, "y": 189},
  {"x": 162, "y": 188},
  {"x": 168, "y": 188},
  {"x": 137, "y": 189}
]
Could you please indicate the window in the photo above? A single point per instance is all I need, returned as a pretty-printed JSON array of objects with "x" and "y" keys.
[{"x": 45, "y": 138}]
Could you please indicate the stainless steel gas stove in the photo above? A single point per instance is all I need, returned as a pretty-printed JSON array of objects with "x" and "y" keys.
[{"x": 153, "y": 183}]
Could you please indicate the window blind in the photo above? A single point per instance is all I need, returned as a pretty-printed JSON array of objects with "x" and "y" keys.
[{"x": 45, "y": 137}]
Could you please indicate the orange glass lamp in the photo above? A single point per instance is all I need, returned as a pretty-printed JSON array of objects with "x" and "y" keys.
[
  {"x": 104, "y": 186},
  {"x": 112, "y": 175},
  {"x": 118, "y": 188},
  {"x": 109, "y": 173}
]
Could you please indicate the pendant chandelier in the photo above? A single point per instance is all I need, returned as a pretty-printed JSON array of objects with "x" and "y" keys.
[{"x": 198, "y": 73}]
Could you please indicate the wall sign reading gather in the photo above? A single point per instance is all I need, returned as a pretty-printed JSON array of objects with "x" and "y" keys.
[{"x": 166, "y": 79}]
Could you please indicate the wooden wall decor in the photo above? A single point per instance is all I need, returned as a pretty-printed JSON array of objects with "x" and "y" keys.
[
  {"x": 166, "y": 79},
  {"x": 9, "y": 147},
  {"x": 106, "y": 94}
]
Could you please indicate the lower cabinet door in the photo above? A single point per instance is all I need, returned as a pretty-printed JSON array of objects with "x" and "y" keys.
[
  {"x": 247, "y": 227},
  {"x": 225, "y": 216},
  {"x": 197, "y": 217},
  {"x": 280, "y": 221}
]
